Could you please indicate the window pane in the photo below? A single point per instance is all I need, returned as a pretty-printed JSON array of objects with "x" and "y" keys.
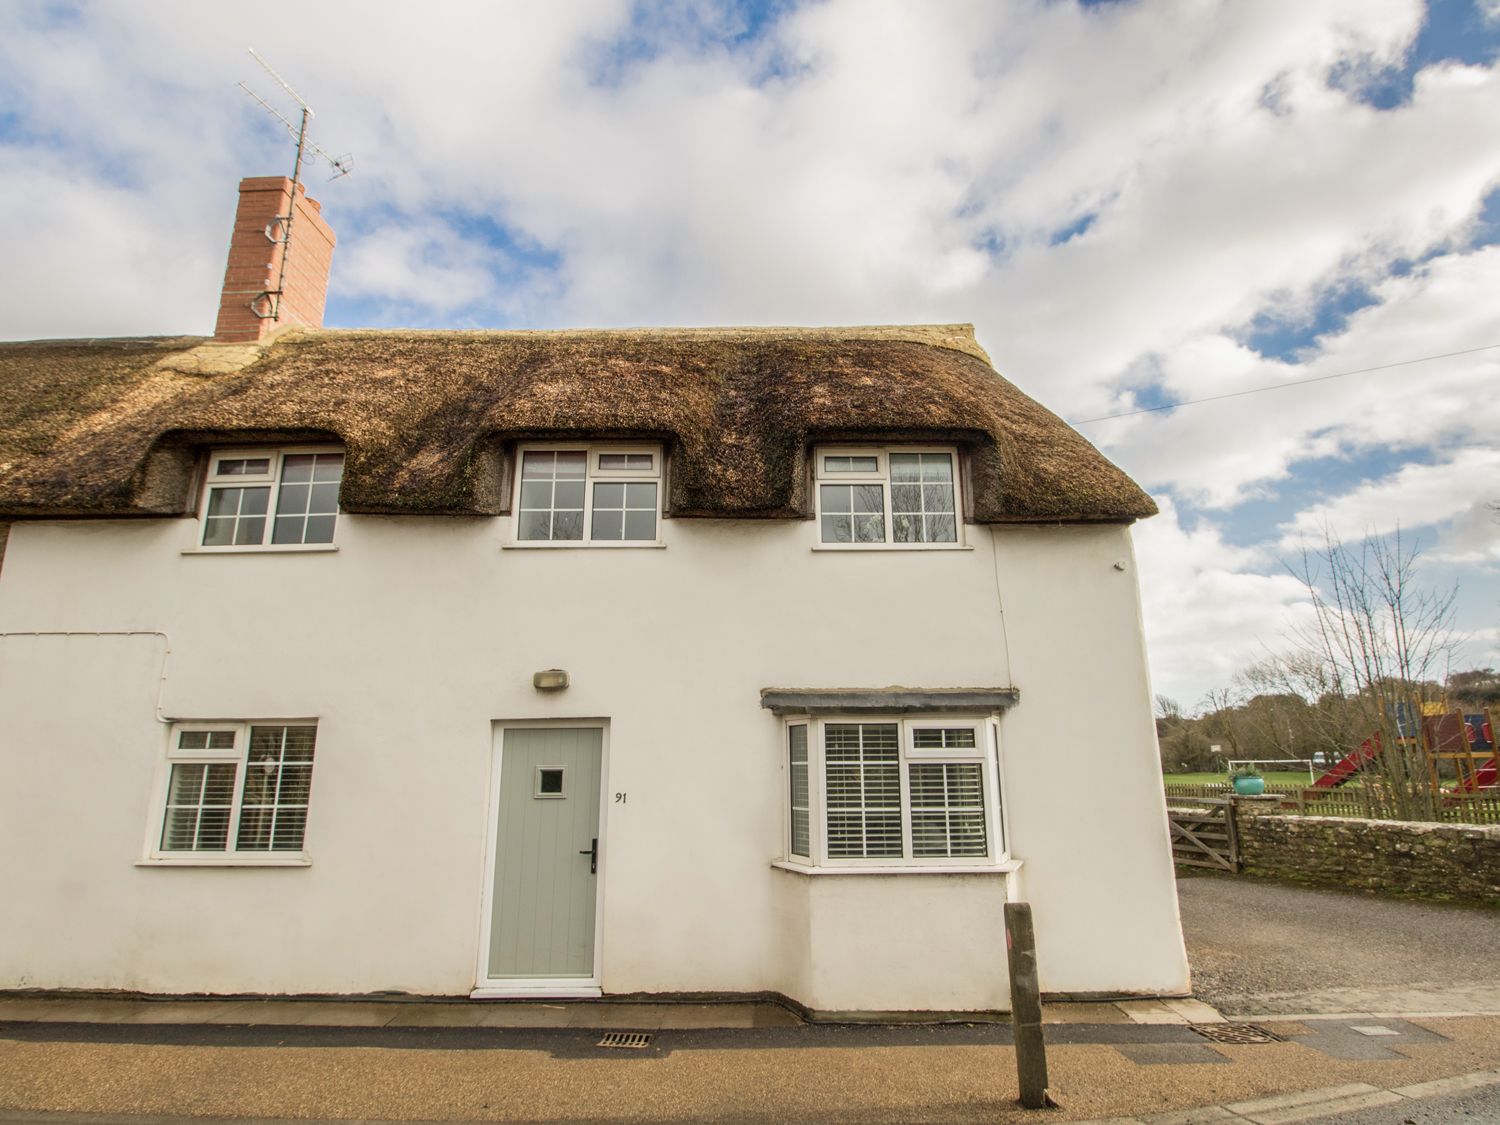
[
  {"x": 324, "y": 499},
  {"x": 837, "y": 529},
  {"x": 906, "y": 466},
  {"x": 329, "y": 468},
  {"x": 851, "y": 464},
  {"x": 608, "y": 524},
  {"x": 801, "y": 843},
  {"x": 942, "y": 529},
  {"x": 538, "y": 466},
  {"x": 568, "y": 494},
  {"x": 292, "y": 498},
  {"x": 536, "y": 495},
  {"x": 235, "y": 516},
  {"x": 567, "y": 525},
  {"x": 863, "y": 786},
  {"x": 278, "y": 782},
  {"x": 837, "y": 498},
  {"x": 221, "y": 740},
  {"x": 571, "y": 465},
  {"x": 288, "y": 529},
  {"x": 937, "y": 467},
  {"x": 199, "y": 800},
  {"x": 947, "y": 809},
  {"x": 938, "y": 738},
  {"x": 250, "y": 532},
  {"x": 243, "y": 467},
  {"x": 640, "y": 527},
  {"x": 868, "y": 498},
  {"x": 193, "y": 740},
  {"x": 869, "y": 529},
  {"x": 319, "y": 529},
  {"x": 296, "y": 468},
  {"x": 609, "y": 496},
  {"x": 617, "y": 461},
  {"x": 224, "y": 501},
  {"x": 641, "y": 497},
  {"x": 534, "y": 525},
  {"x": 254, "y": 501}
]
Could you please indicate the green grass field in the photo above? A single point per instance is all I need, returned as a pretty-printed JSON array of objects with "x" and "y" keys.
[{"x": 1295, "y": 777}]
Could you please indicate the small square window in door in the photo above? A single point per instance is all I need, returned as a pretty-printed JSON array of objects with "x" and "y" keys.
[{"x": 549, "y": 782}]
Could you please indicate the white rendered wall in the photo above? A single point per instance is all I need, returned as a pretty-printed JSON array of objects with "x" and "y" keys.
[{"x": 416, "y": 635}]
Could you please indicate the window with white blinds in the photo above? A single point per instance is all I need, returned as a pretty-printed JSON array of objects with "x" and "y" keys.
[
  {"x": 904, "y": 792},
  {"x": 236, "y": 789},
  {"x": 863, "y": 790},
  {"x": 801, "y": 823}
]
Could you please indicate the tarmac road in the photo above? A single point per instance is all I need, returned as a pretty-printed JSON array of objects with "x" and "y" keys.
[
  {"x": 1260, "y": 948},
  {"x": 1482, "y": 1107}
]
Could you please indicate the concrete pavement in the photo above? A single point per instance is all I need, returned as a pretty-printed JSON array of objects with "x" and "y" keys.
[{"x": 384, "y": 1060}]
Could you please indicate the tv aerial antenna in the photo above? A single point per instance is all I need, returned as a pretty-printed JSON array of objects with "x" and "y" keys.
[{"x": 267, "y": 305}]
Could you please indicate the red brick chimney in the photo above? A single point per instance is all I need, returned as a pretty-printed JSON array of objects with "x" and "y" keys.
[{"x": 250, "y": 307}]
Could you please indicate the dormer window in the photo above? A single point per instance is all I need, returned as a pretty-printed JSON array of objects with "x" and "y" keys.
[
  {"x": 588, "y": 496},
  {"x": 272, "y": 497},
  {"x": 897, "y": 496}
]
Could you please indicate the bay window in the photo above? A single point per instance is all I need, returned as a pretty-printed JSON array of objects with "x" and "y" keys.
[{"x": 892, "y": 792}]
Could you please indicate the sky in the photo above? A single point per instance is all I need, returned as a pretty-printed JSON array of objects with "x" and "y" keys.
[{"x": 1137, "y": 203}]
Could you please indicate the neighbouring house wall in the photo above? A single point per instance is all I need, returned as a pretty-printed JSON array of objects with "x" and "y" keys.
[
  {"x": 1439, "y": 861},
  {"x": 416, "y": 635}
]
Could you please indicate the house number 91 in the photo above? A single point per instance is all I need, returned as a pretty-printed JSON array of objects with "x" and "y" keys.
[{"x": 621, "y": 798}]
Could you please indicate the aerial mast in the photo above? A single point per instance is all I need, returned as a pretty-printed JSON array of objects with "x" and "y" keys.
[{"x": 267, "y": 305}]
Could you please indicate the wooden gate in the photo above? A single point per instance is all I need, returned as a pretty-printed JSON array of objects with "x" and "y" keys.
[{"x": 1203, "y": 833}]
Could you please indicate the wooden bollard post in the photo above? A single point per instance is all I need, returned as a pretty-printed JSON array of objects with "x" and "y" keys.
[{"x": 1026, "y": 1006}]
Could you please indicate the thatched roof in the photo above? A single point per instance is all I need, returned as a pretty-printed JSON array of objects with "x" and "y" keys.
[{"x": 112, "y": 427}]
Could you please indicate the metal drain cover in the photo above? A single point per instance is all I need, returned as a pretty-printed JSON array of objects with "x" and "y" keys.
[
  {"x": 1236, "y": 1033},
  {"x": 627, "y": 1039}
]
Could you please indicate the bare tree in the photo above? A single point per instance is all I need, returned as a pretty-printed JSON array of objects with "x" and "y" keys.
[{"x": 1372, "y": 656}]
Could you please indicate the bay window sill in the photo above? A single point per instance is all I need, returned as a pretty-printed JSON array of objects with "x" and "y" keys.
[{"x": 1004, "y": 867}]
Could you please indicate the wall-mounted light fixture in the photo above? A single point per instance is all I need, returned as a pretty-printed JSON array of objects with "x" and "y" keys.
[{"x": 553, "y": 679}]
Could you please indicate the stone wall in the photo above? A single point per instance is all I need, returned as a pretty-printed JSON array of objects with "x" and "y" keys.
[{"x": 1459, "y": 862}]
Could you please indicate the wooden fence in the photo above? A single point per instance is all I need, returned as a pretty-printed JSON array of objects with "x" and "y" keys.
[{"x": 1452, "y": 808}]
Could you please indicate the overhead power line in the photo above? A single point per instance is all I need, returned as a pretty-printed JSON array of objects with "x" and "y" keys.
[{"x": 1283, "y": 386}]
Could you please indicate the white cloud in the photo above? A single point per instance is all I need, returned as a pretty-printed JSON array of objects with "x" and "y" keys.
[
  {"x": 1416, "y": 496},
  {"x": 424, "y": 264},
  {"x": 1209, "y": 607}
]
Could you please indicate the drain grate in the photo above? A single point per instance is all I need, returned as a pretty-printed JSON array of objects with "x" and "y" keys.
[
  {"x": 627, "y": 1039},
  {"x": 1236, "y": 1033}
]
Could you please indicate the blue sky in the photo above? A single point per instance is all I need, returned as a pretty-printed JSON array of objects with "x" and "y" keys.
[{"x": 1136, "y": 203}]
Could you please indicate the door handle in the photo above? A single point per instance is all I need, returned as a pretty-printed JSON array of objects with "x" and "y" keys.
[{"x": 592, "y": 851}]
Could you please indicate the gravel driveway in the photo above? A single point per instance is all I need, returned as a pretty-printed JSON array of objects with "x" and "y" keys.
[{"x": 1262, "y": 948}]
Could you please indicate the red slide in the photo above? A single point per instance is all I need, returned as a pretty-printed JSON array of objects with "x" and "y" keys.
[
  {"x": 1486, "y": 776},
  {"x": 1347, "y": 767}
]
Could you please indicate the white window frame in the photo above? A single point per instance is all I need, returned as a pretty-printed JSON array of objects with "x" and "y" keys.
[
  {"x": 274, "y": 454},
  {"x": 986, "y": 752},
  {"x": 154, "y": 855},
  {"x": 882, "y": 477},
  {"x": 592, "y": 475}
]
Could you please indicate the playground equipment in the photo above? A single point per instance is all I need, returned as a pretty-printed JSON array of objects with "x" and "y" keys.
[{"x": 1466, "y": 741}]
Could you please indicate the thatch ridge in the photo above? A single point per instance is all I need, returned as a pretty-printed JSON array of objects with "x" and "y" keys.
[{"x": 111, "y": 427}]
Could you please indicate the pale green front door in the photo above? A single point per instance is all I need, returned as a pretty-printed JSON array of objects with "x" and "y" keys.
[{"x": 544, "y": 894}]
